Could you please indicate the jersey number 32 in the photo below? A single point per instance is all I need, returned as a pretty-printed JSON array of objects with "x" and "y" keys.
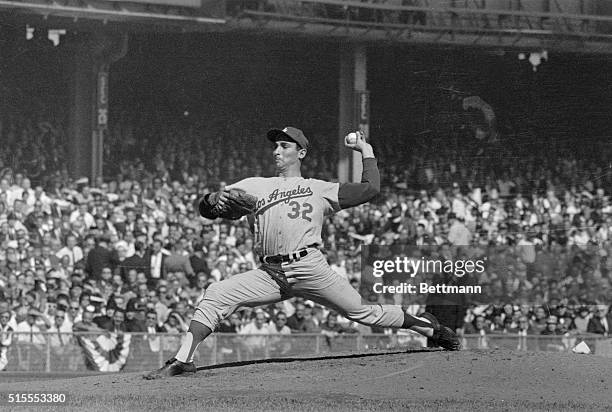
[{"x": 297, "y": 209}]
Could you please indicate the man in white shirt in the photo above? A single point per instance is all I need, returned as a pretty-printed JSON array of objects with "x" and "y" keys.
[
  {"x": 83, "y": 212},
  {"x": 279, "y": 345},
  {"x": 4, "y": 307},
  {"x": 153, "y": 328},
  {"x": 458, "y": 234},
  {"x": 72, "y": 250},
  {"x": 458, "y": 204},
  {"x": 6, "y": 337},
  {"x": 255, "y": 344},
  {"x": 60, "y": 334},
  {"x": 157, "y": 260},
  {"x": 29, "y": 337}
]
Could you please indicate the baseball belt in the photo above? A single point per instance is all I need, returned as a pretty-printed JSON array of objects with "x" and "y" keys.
[
  {"x": 271, "y": 264},
  {"x": 278, "y": 259},
  {"x": 288, "y": 258}
]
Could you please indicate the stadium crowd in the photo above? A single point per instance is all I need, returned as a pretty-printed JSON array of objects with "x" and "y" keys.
[{"x": 130, "y": 253}]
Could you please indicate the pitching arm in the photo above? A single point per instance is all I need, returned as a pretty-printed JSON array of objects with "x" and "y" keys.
[{"x": 353, "y": 194}]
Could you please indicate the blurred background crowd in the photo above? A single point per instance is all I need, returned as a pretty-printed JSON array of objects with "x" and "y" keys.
[{"x": 130, "y": 253}]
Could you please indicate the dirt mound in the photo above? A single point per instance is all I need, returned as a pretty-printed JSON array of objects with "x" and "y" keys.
[{"x": 466, "y": 380}]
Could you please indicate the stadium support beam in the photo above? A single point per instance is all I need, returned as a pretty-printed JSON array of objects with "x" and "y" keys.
[
  {"x": 354, "y": 107},
  {"x": 93, "y": 53}
]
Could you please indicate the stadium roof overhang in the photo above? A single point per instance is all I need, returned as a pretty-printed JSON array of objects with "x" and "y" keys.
[
  {"x": 563, "y": 32},
  {"x": 523, "y": 39},
  {"x": 113, "y": 15}
]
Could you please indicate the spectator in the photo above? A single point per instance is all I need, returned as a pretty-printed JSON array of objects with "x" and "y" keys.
[
  {"x": 458, "y": 234},
  {"x": 297, "y": 321},
  {"x": 153, "y": 328},
  {"x": 601, "y": 321},
  {"x": 6, "y": 337},
  {"x": 539, "y": 322},
  {"x": 60, "y": 334},
  {"x": 197, "y": 260},
  {"x": 524, "y": 330},
  {"x": 279, "y": 325},
  {"x": 173, "y": 326},
  {"x": 158, "y": 256},
  {"x": 178, "y": 261},
  {"x": 255, "y": 345},
  {"x": 99, "y": 258},
  {"x": 279, "y": 345},
  {"x": 581, "y": 321},
  {"x": 72, "y": 250},
  {"x": 31, "y": 341},
  {"x": 233, "y": 324},
  {"x": 87, "y": 323},
  {"x": 478, "y": 327},
  {"x": 132, "y": 323},
  {"x": 310, "y": 324},
  {"x": 74, "y": 313},
  {"x": 552, "y": 327},
  {"x": 29, "y": 331},
  {"x": 332, "y": 329}
]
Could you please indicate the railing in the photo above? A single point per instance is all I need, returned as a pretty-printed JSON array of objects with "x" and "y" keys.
[
  {"x": 52, "y": 352},
  {"x": 576, "y": 18},
  {"x": 175, "y": 3},
  {"x": 183, "y": 12}
]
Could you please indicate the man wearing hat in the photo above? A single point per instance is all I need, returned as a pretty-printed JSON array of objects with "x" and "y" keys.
[
  {"x": 551, "y": 328},
  {"x": 132, "y": 321},
  {"x": 287, "y": 225}
]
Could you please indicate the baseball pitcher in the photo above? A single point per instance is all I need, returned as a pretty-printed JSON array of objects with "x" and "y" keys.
[{"x": 287, "y": 214}]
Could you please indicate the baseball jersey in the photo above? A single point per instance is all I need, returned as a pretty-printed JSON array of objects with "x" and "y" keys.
[{"x": 290, "y": 211}]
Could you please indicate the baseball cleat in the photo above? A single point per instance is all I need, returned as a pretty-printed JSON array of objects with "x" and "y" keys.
[
  {"x": 442, "y": 335},
  {"x": 172, "y": 367}
]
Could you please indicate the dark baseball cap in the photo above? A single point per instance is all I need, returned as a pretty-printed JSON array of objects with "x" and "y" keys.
[{"x": 289, "y": 133}]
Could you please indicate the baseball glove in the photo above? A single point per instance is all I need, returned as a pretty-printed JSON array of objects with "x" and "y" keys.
[{"x": 238, "y": 203}]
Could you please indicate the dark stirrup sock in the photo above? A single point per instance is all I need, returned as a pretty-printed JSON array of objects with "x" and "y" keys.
[
  {"x": 410, "y": 321},
  {"x": 195, "y": 335}
]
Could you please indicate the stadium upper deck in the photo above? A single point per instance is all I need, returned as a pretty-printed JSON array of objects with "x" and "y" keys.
[{"x": 563, "y": 25}]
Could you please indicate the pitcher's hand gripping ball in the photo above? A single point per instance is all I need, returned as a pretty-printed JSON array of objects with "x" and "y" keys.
[
  {"x": 232, "y": 204},
  {"x": 351, "y": 138}
]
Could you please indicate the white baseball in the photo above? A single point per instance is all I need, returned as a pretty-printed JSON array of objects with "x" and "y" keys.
[{"x": 351, "y": 138}]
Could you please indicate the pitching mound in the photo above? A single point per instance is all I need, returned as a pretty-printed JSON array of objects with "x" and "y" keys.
[{"x": 431, "y": 380}]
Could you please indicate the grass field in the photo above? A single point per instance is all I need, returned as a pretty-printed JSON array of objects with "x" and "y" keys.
[{"x": 471, "y": 380}]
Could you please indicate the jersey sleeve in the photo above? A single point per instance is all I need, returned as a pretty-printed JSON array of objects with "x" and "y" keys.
[
  {"x": 248, "y": 185},
  {"x": 353, "y": 194},
  {"x": 329, "y": 193}
]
